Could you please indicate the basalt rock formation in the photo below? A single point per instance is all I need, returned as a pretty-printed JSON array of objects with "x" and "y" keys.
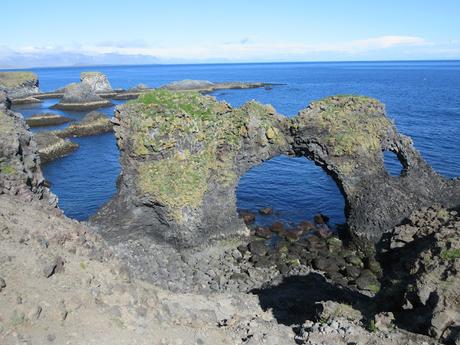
[
  {"x": 19, "y": 84},
  {"x": 51, "y": 147},
  {"x": 46, "y": 119},
  {"x": 92, "y": 123},
  {"x": 182, "y": 155},
  {"x": 20, "y": 172},
  {"x": 81, "y": 97},
  {"x": 205, "y": 86}
]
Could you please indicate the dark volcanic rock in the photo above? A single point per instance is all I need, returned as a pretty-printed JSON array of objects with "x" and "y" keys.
[
  {"x": 46, "y": 119},
  {"x": 81, "y": 96},
  {"x": 20, "y": 172},
  {"x": 93, "y": 123},
  {"x": 205, "y": 86},
  {"x": 422, "y": 267}
]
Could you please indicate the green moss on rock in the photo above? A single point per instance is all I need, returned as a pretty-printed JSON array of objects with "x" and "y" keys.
[
  {"x": 15, "y": 79},
  {"x": 350, "y": 123}
]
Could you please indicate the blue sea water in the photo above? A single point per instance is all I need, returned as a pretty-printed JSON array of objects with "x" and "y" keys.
[{"x": 422, "y": 97}]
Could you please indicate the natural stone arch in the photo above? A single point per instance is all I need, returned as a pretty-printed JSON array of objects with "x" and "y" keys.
[{"x": 182, "y": 155}]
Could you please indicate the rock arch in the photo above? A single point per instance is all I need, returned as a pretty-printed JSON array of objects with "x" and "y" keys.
[{"x": 182, "y": 155}]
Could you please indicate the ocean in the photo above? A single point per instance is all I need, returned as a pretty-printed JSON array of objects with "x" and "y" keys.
[{"x": 423, "y": 98}]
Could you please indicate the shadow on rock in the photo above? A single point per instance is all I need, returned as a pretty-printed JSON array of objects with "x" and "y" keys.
[{"x": 300, "y": 298}]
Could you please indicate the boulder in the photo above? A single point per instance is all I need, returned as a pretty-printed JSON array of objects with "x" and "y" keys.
[
  {"x": 19, "y": 84},
  {"x": 96, "y": 80},
  {"x": 81, "y": 97}
]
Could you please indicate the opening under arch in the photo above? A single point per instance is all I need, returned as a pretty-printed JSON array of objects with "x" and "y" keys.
[
  {"x": 295, "y": 188},
  {"x": 393, "y": 164}
]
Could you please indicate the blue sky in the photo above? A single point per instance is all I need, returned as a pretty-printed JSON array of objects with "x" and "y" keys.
[{"x": 48, "y": 32}]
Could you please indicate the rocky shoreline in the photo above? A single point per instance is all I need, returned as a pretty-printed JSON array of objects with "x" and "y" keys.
[{"x": 170, "y": 261}]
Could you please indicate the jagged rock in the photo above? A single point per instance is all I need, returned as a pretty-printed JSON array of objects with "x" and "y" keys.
[
  {"x": 46, "y": 119},
  {"x": 96, "y": 80},
  {"x": 81, "y": 96},
  {"x": 20, "y": 172},
  {"x": 424, "y": 272},
  {"x": 19, "y": 84},
  {"x": 51, "y": 147},
  {"x": 93, "y": 123}
]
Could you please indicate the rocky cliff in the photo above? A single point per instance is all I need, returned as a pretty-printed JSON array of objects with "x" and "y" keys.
[{"x": 20, "y": 172}]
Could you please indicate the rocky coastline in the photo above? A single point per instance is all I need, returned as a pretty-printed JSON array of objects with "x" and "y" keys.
[{"x": 170, "y": 260}]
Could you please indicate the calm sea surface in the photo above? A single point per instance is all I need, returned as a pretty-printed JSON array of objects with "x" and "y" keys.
[{"x": 422, "y": 97}]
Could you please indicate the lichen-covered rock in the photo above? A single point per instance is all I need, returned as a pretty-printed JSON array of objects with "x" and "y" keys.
[
  {"x": 205, "y": 86},
  {"x": 347, "y": 136},
  {"x": 182, "y": 154},
  {"x": 20, "y": 172},
  {"x": 92, "y": 123},
  {"x": 19, "y": 84},
  {"x": 422, "y": 263},
  {"x": 81, "y": 96},
  {"x": 96, "y": 80}
]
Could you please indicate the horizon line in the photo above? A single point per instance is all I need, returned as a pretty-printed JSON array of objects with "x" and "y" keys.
[{"x": 230, "y": 63}]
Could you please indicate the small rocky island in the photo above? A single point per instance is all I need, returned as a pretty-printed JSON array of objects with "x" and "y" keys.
[{"x": 169, "y": 260}]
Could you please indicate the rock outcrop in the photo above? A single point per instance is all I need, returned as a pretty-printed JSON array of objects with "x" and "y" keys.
[
  {"x": 19, "y": 84},
  {"x": 96, "y": 80},
  {"x": 182, "y": 155},
  {"x": 92, "y": 123},
  {"x": 20, "y": 172},
  {"x": 347, "y": 137},
  {"x": 46, "y": 119},
  {"x": 81, "y": 97},
  {"x": 51, "y": 147},
  {"x": 205, "y": 86}
]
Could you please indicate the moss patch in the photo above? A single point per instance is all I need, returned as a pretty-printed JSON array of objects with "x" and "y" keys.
[
  {"x": 184, "y": 140},
  {"x": 450, "y": 254},
  {"x": 15, "y": 79},
  {"x": 7, "y": 170},
  {"x": 350, "y": 123}
]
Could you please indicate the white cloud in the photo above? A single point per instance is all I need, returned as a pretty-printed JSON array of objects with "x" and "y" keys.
[{"x": 250, "y": 49}]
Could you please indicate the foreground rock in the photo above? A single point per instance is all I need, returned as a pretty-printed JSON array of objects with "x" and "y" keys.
[
  {"x": 20, "y": 172},
  {"x": 19, "y": 85},
  {"x": 51, "y": 147},
  {"x": 422, "y": 260},
  {"x": 204, "y": 86},
  {"x": 93, "y": 123},
  {"x": 81, "y": 97},
  {"x": 47, "y": 119},
  {"x": 96, "y": 80}
]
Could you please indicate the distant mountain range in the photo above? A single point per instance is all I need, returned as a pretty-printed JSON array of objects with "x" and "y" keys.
[{"x": 28, "y": 60}]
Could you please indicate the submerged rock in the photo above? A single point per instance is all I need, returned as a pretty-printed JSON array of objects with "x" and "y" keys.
[
  {"x": 19, "y": 84},
  {"x": 46, "y": 119},
  {"x": 81, "y": 97},
  {"x": 51, "y": 147},
  {"x": 93, "y": 123}
]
